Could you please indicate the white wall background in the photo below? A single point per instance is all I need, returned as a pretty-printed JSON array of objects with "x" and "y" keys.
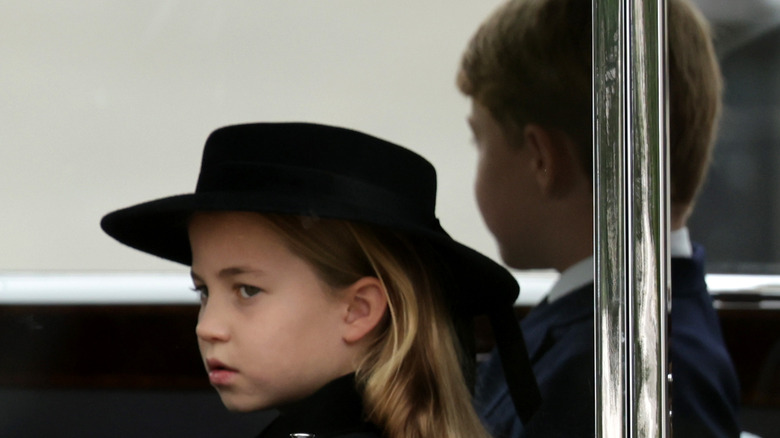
[{"x": 104, "y": 104}]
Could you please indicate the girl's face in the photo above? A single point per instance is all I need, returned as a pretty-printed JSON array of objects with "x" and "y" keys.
[{"x": 269, "y": 330}]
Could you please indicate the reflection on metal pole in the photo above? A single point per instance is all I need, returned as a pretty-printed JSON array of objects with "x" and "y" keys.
[{"x": 631, "y": 217}]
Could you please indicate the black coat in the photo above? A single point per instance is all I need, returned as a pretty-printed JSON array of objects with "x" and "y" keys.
[{"x": 334, "y": 411}]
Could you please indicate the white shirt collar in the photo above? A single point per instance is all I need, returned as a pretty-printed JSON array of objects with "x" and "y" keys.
[
  {"x": 680, "y": 243},
  {"x": 581, "y": 273}
]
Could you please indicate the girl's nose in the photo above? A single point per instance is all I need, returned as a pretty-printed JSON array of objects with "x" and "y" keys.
[{"x": 213, "y": 322}]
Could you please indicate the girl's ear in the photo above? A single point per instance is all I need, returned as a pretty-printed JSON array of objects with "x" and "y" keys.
[{"x": 366, "y": 301}]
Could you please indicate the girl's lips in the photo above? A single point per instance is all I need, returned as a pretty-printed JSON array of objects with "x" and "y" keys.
[
  {"x": 219, "y": 373},
  {"x": 221, "y": 377}
]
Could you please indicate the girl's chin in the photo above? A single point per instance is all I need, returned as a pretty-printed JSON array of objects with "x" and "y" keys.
[{"x": 239, "y": 404}]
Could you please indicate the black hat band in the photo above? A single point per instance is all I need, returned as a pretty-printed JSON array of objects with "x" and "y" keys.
[{"x": 328, "y": 194}]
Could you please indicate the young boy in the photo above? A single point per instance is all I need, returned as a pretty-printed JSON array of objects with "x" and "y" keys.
[{"x": 528, "y": 73}]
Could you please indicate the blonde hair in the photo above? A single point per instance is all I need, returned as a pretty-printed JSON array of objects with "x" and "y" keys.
[
  {"x": 411, "y": 379},
  {"x": 530, "y": 62}
]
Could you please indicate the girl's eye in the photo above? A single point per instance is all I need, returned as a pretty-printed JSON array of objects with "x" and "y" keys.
[
  {"x": 201, "y": 290},
  {"x": 248, "y": 291}
]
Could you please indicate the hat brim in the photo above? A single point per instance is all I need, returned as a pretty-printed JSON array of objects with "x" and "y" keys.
[{"x": 159, "y": 227}]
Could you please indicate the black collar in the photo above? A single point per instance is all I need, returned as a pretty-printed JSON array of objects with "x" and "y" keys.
[{"x": 335, "y": 409}]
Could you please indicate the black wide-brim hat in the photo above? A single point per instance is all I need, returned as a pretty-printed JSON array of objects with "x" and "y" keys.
[{"x": 319, "y": 171}]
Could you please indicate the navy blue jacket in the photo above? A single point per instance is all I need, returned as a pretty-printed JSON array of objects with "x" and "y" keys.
[{"x": 559, "y": 337}]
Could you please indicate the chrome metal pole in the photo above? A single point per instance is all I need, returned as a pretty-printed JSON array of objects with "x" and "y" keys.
[{"x": 631, "y": 217}]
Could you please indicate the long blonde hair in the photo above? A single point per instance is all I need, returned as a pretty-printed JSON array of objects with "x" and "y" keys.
[{"x": 412, "y": 378}]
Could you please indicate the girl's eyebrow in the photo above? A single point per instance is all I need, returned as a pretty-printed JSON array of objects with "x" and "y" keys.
[
  {"x": 237, "y": 270},
  {"x": 229, "y": 272}
]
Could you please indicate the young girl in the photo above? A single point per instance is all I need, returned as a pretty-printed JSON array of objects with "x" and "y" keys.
[{"x": 329, "y": 291}]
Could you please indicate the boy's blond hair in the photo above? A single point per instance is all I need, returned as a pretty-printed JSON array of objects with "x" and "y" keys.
[{"x": 530, "y": 62}]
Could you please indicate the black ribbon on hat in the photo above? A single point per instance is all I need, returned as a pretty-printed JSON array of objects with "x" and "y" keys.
[
  {"x": 324, "y": 191},
  {"x": 513, "y": 352}
]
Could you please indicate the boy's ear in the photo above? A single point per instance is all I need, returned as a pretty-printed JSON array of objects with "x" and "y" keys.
[
  {"x": 553, "y": 163},
  {"x": 366, "y": 301}
]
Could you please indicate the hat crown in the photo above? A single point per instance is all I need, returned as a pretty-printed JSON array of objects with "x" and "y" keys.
[{"x": 265, "y": 156}]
